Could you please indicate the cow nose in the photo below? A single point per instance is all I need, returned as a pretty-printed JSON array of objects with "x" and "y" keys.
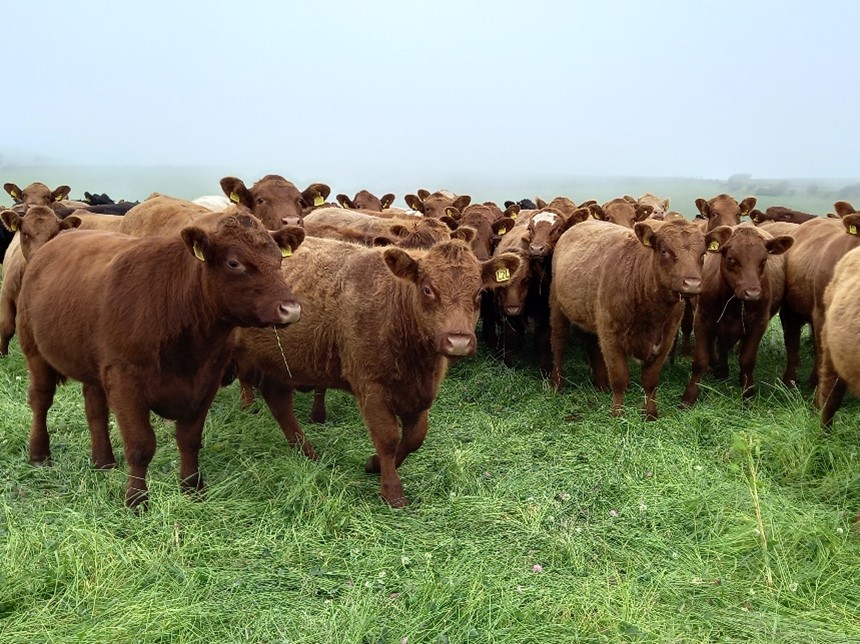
[
  {"x": 513, "y": 310},
  {"x": 290, "y": 312},
  {"x": 536, "y": 249},
  {"x": 293, "y": 221},
  {"x": 458, "y": 345},
  {"x": 692, "y": 285},
  {"x": 752, "y": 294}
]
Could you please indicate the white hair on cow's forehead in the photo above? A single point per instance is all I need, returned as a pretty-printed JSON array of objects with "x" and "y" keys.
[{"x": 548, "y": 217}]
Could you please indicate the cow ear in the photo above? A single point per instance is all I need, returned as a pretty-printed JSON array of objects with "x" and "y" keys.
[
  {"x": 416, "y": 203},
  {"x": 60, "y": 193},
  {"x": 13, "y": 190},
  {"x": 198, "y": 242},
  {"x": 629, "y": 200},
  {"x": 423, "y": 194},
  {"x": 288, "y": 239},
  {"x": 746, "y": 205},
  {"x": 386, "y": 200},
  {"x": 851, "y": 222},
  {"x": 450, "y": 222},
  {"x": 398, "y": 230},
  {"x": 315, "y": 195},
  {"x": 382, "y": 240},
  {"x": 11, "y": 220},
  {"x": 452, "y": 212},
  {"x": 401, "y": 264},
  {"x": 512, "y": 211},
  {"x": 717, "y": 238},
  {"x": 237, "y": 192},
  {"x": 344, "y": 201},
  {"x": 666, "y": 204},
  {"x": 465, "y": 234},
  {"x": 566, "y": 222},
  {"x": 778, "y": 245},
  {"x": 461, "y": 202},
  {"x": 646, "y": 233},
  {"x": 503, "y": 225},
  {"x": 703, "y": 207},
  {"x": 579, "y": 215},
  {"x": 71, "y": 222},
  {"x": 757, "y": 216},
  {"x": 597, "y": 212},
  {"x": 842, "y": 208},
  {"x": 643, "y": 212},
  {"x": 497, "y": 272},
  {"x": 540, "y": 203}
]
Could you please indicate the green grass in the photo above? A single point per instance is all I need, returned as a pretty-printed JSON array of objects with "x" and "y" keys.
[{"x": 644, "y": 531}]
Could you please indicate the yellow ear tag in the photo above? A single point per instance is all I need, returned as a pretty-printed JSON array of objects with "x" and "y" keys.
[
  {"x": 286, "y": 251},
  {"x": 714, "y": 246},
  {"x": 513, "y": 215},
  {"x": 234, "y": 197},
  {"x": 646, "y": 242},
  {"x": 318, "y": 200},
  {"x": 59, "y": 198},
  {"x": 502, "y": 230},
  {"x": 594, "y": 214},
  {"x": 852, "y": 230},
  {"x": 198, "y": 253},
  {"x": 14, "y": 227},
  {"x": 14, "y": 194},
  {"x": 503, "y": 275}
]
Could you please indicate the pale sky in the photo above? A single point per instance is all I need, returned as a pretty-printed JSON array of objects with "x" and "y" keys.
[{"x": 329, "y": 90}]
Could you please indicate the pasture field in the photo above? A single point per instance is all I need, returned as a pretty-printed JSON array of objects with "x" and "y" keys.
[{"x": 535, "y": 517}]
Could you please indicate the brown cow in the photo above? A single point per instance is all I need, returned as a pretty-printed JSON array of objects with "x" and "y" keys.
[
  {"x": 780, "y": 213},
  {"x": 424, "y": 231},
  {"x": 434, "y": 205},
  {"x": 381, "y": 324},
  {"x": 742, "y": 287},
  {"x": 147, "y": 325},
  {"x": 839, "y": 368},
  {"x": 36, "y": 194},
  {"x": 624, "y": 288},
  {"x": 660, "y": 207},
  {"x": 819, "y": 244},
  {"x": 366, "y": 200},
  {"x": 723, "y": 210},
  {"x": 39, "y": 225},
  {"x": 621, "y": 212}
]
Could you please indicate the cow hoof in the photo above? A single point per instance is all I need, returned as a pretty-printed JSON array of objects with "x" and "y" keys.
[
  {"x": 137, "y": 500},
  {"x": 399, "y": 502},
  {"x": 318, "y": 417},
  {"x": 40, "y": 461},
  {"x": 108, "y": 465},
  {"x": 372, "y": 465}
]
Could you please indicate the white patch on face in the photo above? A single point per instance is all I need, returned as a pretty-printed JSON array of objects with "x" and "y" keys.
[{"x": 548, "y": 217}]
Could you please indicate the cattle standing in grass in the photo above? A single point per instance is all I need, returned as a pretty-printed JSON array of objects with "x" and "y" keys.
[
  {"x": 381, "y": 324},
  {"x": 34, "y": 229},
  {"x": 366, "y": 200},
  {"x": 624, "y": 288},
  {"x": 839, "y": 368},
  {"x": 819, "y": 244},
  {"x": 147, "y": 325},
  {"x": 742, "y": 286}
]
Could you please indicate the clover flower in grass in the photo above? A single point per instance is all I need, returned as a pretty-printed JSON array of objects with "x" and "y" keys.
[
  {"x": 613, "y": 513},
  {"x": 537, "y": 568}
]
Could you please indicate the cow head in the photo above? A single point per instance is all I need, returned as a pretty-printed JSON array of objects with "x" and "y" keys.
[
  {"x": 435, "y": 205},
  {"x": 660, "y": 206},
  {"x": 274, "y": 200},
  {"x": 446, "y": 282},
  {"x": 621, "y": 212},
  {"x": 547, "y": 226},
  {"x": 723, "y": 210},
  {"x": 36, "y": 194},
  {"x": 37, "y": 226},
  {"x": 678, "y": 252},
  {"x": 365, "y": 200},
  {"x": 744, "y": 259},
  {"x": 240, "y": 263}
]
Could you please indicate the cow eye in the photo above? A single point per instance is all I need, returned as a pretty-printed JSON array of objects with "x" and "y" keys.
[
  {"x": 260, "y": 201},
  {"x": 427, "y": 290},
  {"x": 234, "y": 264}
]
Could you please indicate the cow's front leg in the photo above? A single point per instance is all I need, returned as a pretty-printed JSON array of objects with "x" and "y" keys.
[{"x": 385, "y": 434}]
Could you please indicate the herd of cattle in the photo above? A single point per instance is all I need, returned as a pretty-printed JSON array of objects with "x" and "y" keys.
[{"x": 153, "y": 306}]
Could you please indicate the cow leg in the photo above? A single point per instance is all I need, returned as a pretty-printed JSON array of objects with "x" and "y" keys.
[
  {"x": 596, "y": 362},
  {"x": 721, "y": 368},
  {"x": 132, "y": 415},
  {"x": 747, "y": 354},
  {"x": 413, "y": 434},
  {"x": 246, "y": 394},
  {"x": 514, "y": 333},
  {"x": 318, "y": 410},
  {"x": 279, "y": 400},
  {"x": 687, "y": 328},
  {"x": 98, "y": 414},
  {"x": 816, "y": 324},
  {"x": 385, "y": 434},
  {"x": 651, "y": 376},
  {"x": 542, "y": 344},
  {"x": 619, "y": 375},
  {"x": 791, "y": 327},
  {"x": 189, "y": 440},
  {"x": 559, "y": 330},
  {"x": 40, "y": 396},
  {"x": 831, "y": 390},
  {"x": 701, "y": 359},
  {"x": 488, "y": 319},
  {"x": 7, "y": 322}
]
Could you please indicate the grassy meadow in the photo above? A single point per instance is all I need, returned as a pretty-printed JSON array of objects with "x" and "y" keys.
[{"x": 534, "y": 517}]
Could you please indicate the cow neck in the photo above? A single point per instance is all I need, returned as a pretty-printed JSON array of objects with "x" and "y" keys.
[
  {"x": 648, "y": 295},
  {"x": 408, "y": 342}
]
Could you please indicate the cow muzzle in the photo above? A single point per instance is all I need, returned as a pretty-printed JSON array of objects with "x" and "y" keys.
[
  {"x": 288, "y": 313},
  {"x": 456, "y": 345},
  {"x": 690, "y": 286},
  {"x": 749, "y": 294}
]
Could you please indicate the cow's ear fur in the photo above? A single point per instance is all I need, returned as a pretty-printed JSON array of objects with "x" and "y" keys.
[
  {"x": 71, "y": 222},
  {"x": 60, "y": 193},
  {"x": 499, "y": 271},
  {"x": 512, "y": 211},
  {"x": 11, "y": 220},
  {"x": 851, "y": 223},
  {"x": 401, "y": 264},
  {"x": 198, "y": 243},
  {"x": 629, "y": 200},
  {"x": 289, "y": 238},
  {"x": 382, "y": 240},
  {"x": 503, "y": 225},
  {"x": 450, "y": 222},
  {"x": 643, "y": 212},
  {"x": 422, "y": 193},
  {"x": 13, "y": 190},
  {"x": 540, "y": 203},
  {"x": 345, "y": 201},
  {"x": 715, "y": 240},
  {"x": 704, "y": 207},
  {"x": 560, "y": 228},
  {"x": 778, "y": 245},
  {"x": 843, "y": 208},
  {"x": 461, "y": 202},
  {"x": 414, "y": 202},
  {"x": 666, "y": 204},
  {"x": 386, "y": 200},
  {"x": 237, "y": 192},
  {"x": 465, "y": 234},
  {"x": 645, "y": 233},
  {"x": 453, "y": 212},
  {"x": 398, "y": 230},
  {"x": 315, "y": 195},
  {"x": 746, "y": 205},
  {"x": 597, "y": 212}
]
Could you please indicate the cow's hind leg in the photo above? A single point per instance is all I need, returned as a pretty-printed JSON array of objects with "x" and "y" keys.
[
  {"x": 559, "y": 330},
  {"x": 318, "y": 410},
  {"x": 40, "y": 395},
  {"x": 96, "y": 408},
  {"x": 279, "y": 400}
]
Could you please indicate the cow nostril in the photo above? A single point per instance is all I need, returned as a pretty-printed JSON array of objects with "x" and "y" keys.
[
  {"x": 752, "y": 293},
  {"x": 458, "y": 345},
  {"x": 290, "y": 312}
]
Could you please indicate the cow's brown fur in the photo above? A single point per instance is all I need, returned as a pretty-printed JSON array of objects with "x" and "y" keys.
[
  {"x": 819, "y": 244},
  {"x": 366, "y": 200},
  {"x": 426, "y": 231},
  {"x": 380, "y": 323},
  {"x": 780, "y": 213},
  {"x": 621, "y": 212},
  {"x": 39, "y": 225},
  {"x": 660, "y": 207},
  {"x": 839, "y": 368},
  {"x": 742, "y": 287},
  {"x": 435, "y": 205},
  {"x": 723, "y": 210},
  {"x": 146, "y": 325},
  {"x": 625, "y": 290},
  {"x": 37, "y": 194}
]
